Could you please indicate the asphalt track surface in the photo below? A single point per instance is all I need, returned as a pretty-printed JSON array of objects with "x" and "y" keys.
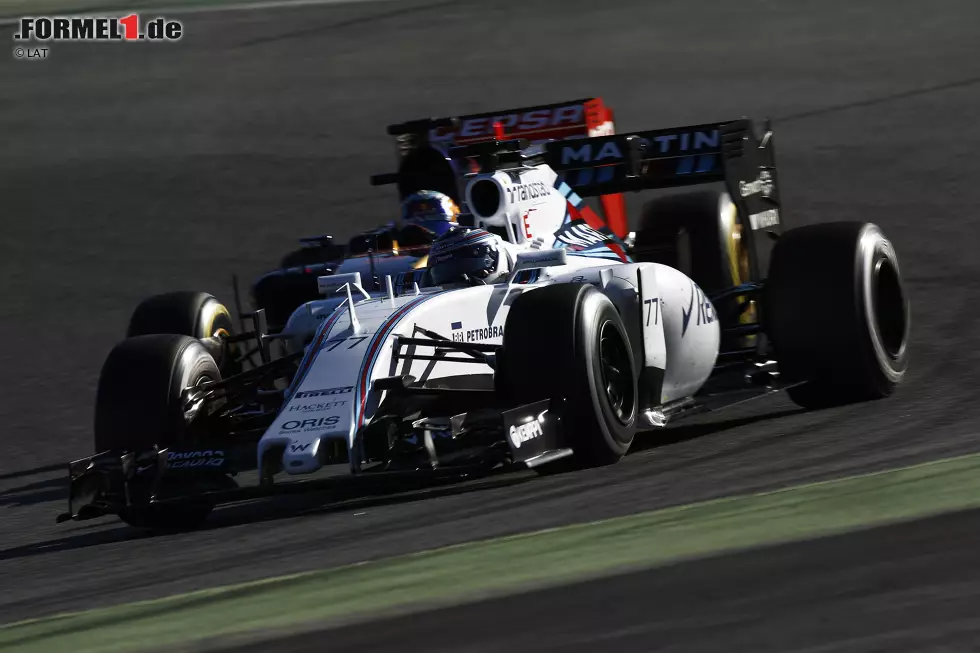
[
  {"x": 874, "y": 590},
  {"x": 128, "y": 169}
]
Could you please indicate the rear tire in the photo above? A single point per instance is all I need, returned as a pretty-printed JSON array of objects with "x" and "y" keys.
[
  {"x": 697, "y": 233},
  {"x": 837, "y": 313},
  {"x": 568, "y": 343}
]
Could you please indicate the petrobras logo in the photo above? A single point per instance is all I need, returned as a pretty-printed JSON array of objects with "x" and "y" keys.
[
  {"x": 521, "y": 433},
  {"x": 324, "y": 393},
  {"x": 762, "y": 185},
  {"x": 664, "y": 145},
  {"x": 538, "y": 123},
  {"x": 185, "y": 459},
  {"x": 476, "y": 335}
]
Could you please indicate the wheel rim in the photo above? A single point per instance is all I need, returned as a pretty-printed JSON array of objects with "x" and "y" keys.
[
  {"x": 617, "y": 381},
  {"x": 889, "y": 308},
  {"x": 193, "y": 402}
]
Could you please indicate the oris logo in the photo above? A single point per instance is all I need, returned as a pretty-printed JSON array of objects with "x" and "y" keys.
[
  {"x": 309, "y": 425},
  {"x": 519, "y": 434}
]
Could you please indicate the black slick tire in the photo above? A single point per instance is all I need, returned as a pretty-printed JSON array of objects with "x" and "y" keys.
[
  {"x": 139, "y": 405},
  {"x": 188, "y": 313},
  {"x": 138, "y": 402},
  {"x": 567, "y": 343},
  {"x": 837, "y": 313},
  {"x": 697, "y": 233}
]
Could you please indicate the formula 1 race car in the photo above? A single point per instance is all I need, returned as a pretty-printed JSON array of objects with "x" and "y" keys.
[
  {"x": 429, "y": 158},
  {"x": 548, "y": 349}
]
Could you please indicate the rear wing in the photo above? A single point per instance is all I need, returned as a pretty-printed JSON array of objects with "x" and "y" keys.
[
  {"x": 537, "y": 124},
  {"x": 428, "y": 149},
  {"x": 728, "y": 152}
]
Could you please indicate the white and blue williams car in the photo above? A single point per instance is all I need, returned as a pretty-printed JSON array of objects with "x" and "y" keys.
[{"x": 535, "y": 336}]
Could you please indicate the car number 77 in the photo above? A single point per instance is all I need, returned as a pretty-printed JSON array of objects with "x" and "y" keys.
[
  {"x": 653, "y": 309},
  {"x": 330, "y": 345}
]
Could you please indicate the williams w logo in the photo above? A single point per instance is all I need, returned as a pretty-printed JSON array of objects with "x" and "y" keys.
[{"x": 300, "y": 448}]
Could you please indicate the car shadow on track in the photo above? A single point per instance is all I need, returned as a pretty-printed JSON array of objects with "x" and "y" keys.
[
  {"x": 317, "y": 502},
  {"x": 44, "y": 469},
  {"x": 334, "y": 500},
  {"x": 326, "y": 502},
  {"x": 52, "y": 489},
  {"x": 683, "y": 432}
]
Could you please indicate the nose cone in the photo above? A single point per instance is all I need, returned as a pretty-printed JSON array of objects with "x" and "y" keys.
[{"x": 301, "y": 457}]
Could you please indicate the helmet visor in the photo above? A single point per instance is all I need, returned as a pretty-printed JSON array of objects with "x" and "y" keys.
[{"x": 475, "y": 262}]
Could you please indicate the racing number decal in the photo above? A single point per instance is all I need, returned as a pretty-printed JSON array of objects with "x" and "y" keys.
[
  {"x": 330, "y": 345},
  {"x": 651, "y": 324},
  {"x": 653, "y": 308}
]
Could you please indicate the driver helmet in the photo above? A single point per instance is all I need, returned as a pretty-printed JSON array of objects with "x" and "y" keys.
[
  {"x": 467, "y": 254},
  {"x": 431, "y": 211}
]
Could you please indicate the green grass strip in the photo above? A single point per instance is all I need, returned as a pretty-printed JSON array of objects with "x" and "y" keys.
[{"x": 534, "y": 559}]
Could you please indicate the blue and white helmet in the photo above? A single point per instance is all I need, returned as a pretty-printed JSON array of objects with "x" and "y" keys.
[{"x": 466, "y": 254}]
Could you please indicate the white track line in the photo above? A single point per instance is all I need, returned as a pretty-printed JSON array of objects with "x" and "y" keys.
[{"x": 189, "y": 9}]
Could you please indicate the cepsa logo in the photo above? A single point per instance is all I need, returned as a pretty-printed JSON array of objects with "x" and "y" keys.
[{"x": 539, "y": 124}]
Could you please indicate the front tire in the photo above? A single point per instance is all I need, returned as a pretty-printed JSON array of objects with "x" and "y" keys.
[
  {"x": 140, "y": 405},
  {"x": 568, "y": 343},
  {"x": 139, "y": 401},
  {"x": 189, "y": 313},
  {"x": 837, "y": 313}
]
